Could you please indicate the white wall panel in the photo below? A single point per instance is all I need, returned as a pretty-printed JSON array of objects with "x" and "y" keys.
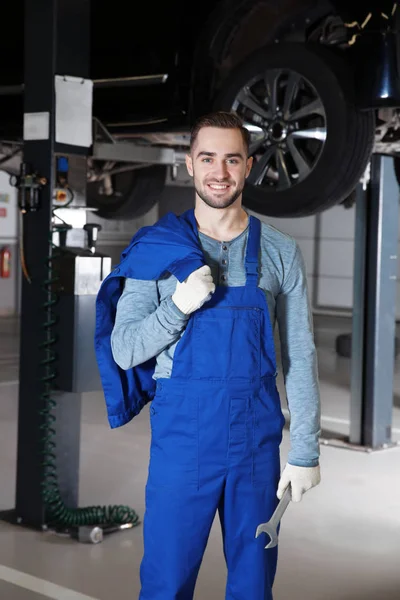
[
  {"x": 8, "y": 209},
  {"x": 307, "y": 250},
  {"x": 337, "y": 223},
  {"x": 303, "y": 227},
  {"x": 336, "y": 258},
  {"x": 334, "y": 292}
]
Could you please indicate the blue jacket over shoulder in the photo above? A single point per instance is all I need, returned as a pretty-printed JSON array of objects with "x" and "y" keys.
[{"x": 171, "y": 245}]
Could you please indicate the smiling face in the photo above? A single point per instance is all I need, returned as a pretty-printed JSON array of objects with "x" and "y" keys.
[{"x": 219, "y": 166}]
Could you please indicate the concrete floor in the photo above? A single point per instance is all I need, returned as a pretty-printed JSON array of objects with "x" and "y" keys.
[{"x": 342, "y": 542}]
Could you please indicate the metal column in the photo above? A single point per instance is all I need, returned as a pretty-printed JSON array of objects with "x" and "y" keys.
[
  {"x": 56, "y": 42},
  {"x": 374, "y": 307}
]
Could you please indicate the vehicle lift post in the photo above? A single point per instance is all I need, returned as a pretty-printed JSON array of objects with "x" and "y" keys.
[
  {"x": 373, "y": 338},
  {"x": 56, "y": 42}
]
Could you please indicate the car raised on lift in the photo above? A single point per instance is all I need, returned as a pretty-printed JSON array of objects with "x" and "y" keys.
[{"x": 314, "y": 81}]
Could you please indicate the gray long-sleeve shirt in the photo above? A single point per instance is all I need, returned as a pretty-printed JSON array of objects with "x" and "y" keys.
[{"x": 148, "y": 324}]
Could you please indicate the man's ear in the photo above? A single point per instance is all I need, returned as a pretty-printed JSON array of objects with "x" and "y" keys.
[
  {"x": 189, "y": 164},
  {"x": 249, "y": 164}
]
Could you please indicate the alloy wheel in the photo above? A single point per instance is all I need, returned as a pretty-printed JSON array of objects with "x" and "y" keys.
[{"x": 287, "y": 123}]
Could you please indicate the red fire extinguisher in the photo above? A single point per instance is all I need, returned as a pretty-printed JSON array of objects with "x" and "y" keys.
[{"x": 5, "y": 262}]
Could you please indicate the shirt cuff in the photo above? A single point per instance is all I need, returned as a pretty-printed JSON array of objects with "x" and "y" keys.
[
  {"x": 313, "y": 462},
  {"x": 172, "y": 308}
]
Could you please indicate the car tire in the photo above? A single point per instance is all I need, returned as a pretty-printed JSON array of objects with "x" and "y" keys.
[
  {"x": 349, "y": 133},
  {"x": 135, "y": 193}
]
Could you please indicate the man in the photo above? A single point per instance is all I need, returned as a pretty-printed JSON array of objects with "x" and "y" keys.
[{"x": 216, "y": 417}]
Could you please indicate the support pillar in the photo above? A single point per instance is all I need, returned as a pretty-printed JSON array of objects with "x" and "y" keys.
[
  {"x": 374, "y": 317},
  {"x": 373, "y": 340},
  {"x": 56, "y": 42}
]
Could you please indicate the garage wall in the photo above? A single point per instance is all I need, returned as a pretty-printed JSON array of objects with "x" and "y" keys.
[
  {"x": 330, "y": 256},
  {"x": 335, "y": 258},
  {"x": 335, "y": 255},
  {"x": 327, "y": 244},
  {"x": 9, "y": 287}
]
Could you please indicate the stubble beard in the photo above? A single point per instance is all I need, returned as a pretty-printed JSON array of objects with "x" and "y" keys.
[{"x": 215, "y": 203}]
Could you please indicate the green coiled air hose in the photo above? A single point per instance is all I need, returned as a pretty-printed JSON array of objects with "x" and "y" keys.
[{"x": 57, "y": 513}]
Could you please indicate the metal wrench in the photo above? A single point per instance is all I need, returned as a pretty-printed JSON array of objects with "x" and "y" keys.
[{"x": 271, "y": 526}]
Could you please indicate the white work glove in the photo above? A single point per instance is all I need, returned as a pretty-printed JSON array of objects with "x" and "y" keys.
[
  {"x": 192, "y": 293},
  {"x": 301, "y": 480}
]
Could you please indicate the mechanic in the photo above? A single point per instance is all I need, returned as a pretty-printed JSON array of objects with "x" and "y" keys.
[{"x": 216, "y": 415}]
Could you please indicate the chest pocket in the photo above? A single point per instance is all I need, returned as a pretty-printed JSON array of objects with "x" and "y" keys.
[{"x": 227, "y": 343}]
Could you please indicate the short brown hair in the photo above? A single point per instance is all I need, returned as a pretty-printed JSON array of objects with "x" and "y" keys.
[{"x": 224, "y": 120}]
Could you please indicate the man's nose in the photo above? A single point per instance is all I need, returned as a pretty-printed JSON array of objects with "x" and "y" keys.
[{"x": 221, "y": 170}]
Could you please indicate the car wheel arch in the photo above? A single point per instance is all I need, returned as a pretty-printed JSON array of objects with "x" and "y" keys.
[{"x": 228, "y": 45}]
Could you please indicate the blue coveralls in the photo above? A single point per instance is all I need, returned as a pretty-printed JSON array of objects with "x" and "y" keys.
[{"x": 216, "y": 430}]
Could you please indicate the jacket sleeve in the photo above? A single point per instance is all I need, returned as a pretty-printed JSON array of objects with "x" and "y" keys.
[
  {"x": 299, "y": 364},
  {"x": 144, "y": 326}
]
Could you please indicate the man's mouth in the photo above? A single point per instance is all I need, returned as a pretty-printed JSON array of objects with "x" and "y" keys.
[{"x": 219, "y": 186}]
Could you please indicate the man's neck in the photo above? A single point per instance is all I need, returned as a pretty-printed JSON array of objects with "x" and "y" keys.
[{"x": 223, "y": 224}]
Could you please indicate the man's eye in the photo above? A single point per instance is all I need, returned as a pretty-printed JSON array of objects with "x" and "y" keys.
[
  {"x": 206, "y": 160},
  {"x": 233, "y": 161}
]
